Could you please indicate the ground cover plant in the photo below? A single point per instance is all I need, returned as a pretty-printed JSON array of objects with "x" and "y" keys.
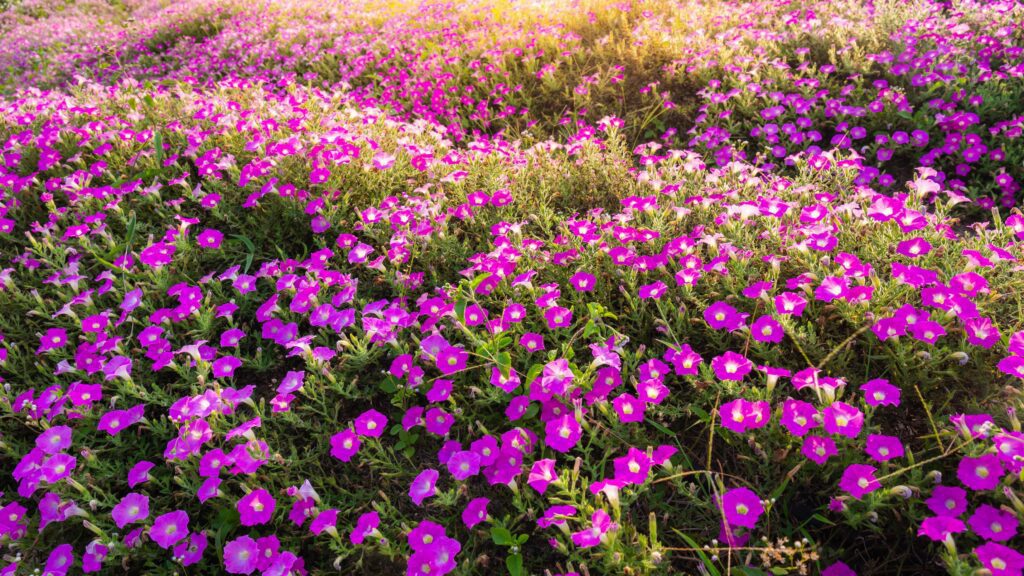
[{"x": 646, "y": 287}]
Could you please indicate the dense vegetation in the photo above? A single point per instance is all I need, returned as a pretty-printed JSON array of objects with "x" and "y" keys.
[{"x": 647, "y": 287}]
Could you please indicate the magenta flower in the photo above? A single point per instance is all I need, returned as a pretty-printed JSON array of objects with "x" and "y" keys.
[
  {"x": 600, "y": 523},
  {"x": 558, "y": 317},
  {"x": 790, "y": 303},
  {"x": 981, "y": 473},
  {"x": 859, "y": 479},
  {"x": 542, "y": 474},
  {"x": 451, "y": 359},
  {"x": 842, "y": 419},
  {"x": 879, "y": 392},
  {"x": 722, "y": 316},
  {"x": 883, "y": 448},
  {"x": 767, "y": 329},
  {"x": 629, "y": 408},
  {"x": 947, "y": 501},
  {"x": 652, "y": 291},
  {"x": 741, "y": 507},
  {"x": 225, "y": 367},
  {"x": 54, "y": 440},
  {"x": 583, "y": 281},
  {"x": 741, "y": 415},
  {"x": 731, "y": 366},
  {"x": 133, "y": 507},
  {"x": 1000, "y": 560},
  {"x": 532, "y": 341},
  {"x": 325, "y": 521},
  {"x": 818, "y": 449},
  {"x": 210, "y": 238},
  {"x": 562, "y": 434},
  {"x": 798, "y": 417},
  {"x": 939, "y": 528},
  {"x": 241, "y": 556},
  {"x": 464, "y": 464},
  {"x": 256, "y": 507},
  {"x": 684, "y": 361},
  {"x": 423, "y": 486},
  {"x": 345, "y": 445},
  {"x": 632, "y": 468},
  {"x": 991, "y": 523},
  {"x": 475, "y": 512},
  {"x": 371, "y": 423},
  {"x": 52, "y": 339},
  {"x": 168, "y": 529},
  {"x": 139, "y": 473},
  {"x": 366, "y": 526}
]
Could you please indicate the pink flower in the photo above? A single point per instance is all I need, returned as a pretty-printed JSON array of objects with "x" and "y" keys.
[
  {"x": 366, "y": 526},
  {"x": 475, "y": 512},
  {"x": 1000, "y": 560},
  {"x": 991, "y": 523},
  {"x": 947, "y": 501},
  {"x": 879, "y": 392},
  {"x": 632, "y": 468},
  {"x": 939, "y": 528},
  {"x": 256, "y": 507},
  {"x": 798, "y": 417},
  {"x": 883, "y": 448},
  {"x": 423, "y": 486},
  {"x": 859, "y": 479},
  {"x": 464, "y": 464},
  {"x": 371, "y": 423},
  {"x": 818, "y": 449},
  {"x": 600, "y": 523},
  {"x": 741, "y": 415},
  {"x": 843, "y": 419},
  {"x": 741, "y": 507},
  {"x": 133, "y": 507},
  {"x": 210, "y": 238},
  {"x": 731, "y": 366},
  {"x": 790, "y": 303},
  {"x": 345, "y": 445},
  {"x": 562, "y": 434},
  {"x": 325, "y": 521},
  {"x": 722, "y": 316},
  {"x": 583, "y": 281},
  {"x": 558, "y": 317},
  {"x": 981, "y": 473},
  {"x": 168, "y": 529},
  {"x": 451, "y": 360},
  {"x": 541, "y": 474},
  {"x": 767, "y": 329},
  {"x": 653, "y": 291},
  {"x": 629, "y": 408},
  {"x": 54, "y": 440},
  {"x": 241, "y": 556}
]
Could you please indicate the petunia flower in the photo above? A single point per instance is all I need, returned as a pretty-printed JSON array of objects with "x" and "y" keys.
[
  {"x": 475, "y": 512},
  {"x": 562, "y": 434},
  {"x": 991, "y": 523},
  {"x": 256, "y": 507},
  {"x": 423, "y": 486},
  {"x": 741, "y": 507},
  {"x": 133, "y": 507},
  {"x": 366, "y": 526},
  {"x": 241, "y": 556},
  {"x": 981, "y": 473},
  {"x": 542, "y": 474},
  {"x": 859, "y": 479},
  {"x": 168, "y": 529}
]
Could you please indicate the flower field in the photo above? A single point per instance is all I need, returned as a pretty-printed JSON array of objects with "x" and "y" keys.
[{"x": 523, "y": 287}]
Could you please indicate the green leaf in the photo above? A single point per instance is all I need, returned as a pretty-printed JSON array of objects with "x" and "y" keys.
[
  {"x": 479, "y": 280},
  {"x": 514, "y": 563},
  {"x": 501, "y": 536},
  {"x": 504, "y": 364}
]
